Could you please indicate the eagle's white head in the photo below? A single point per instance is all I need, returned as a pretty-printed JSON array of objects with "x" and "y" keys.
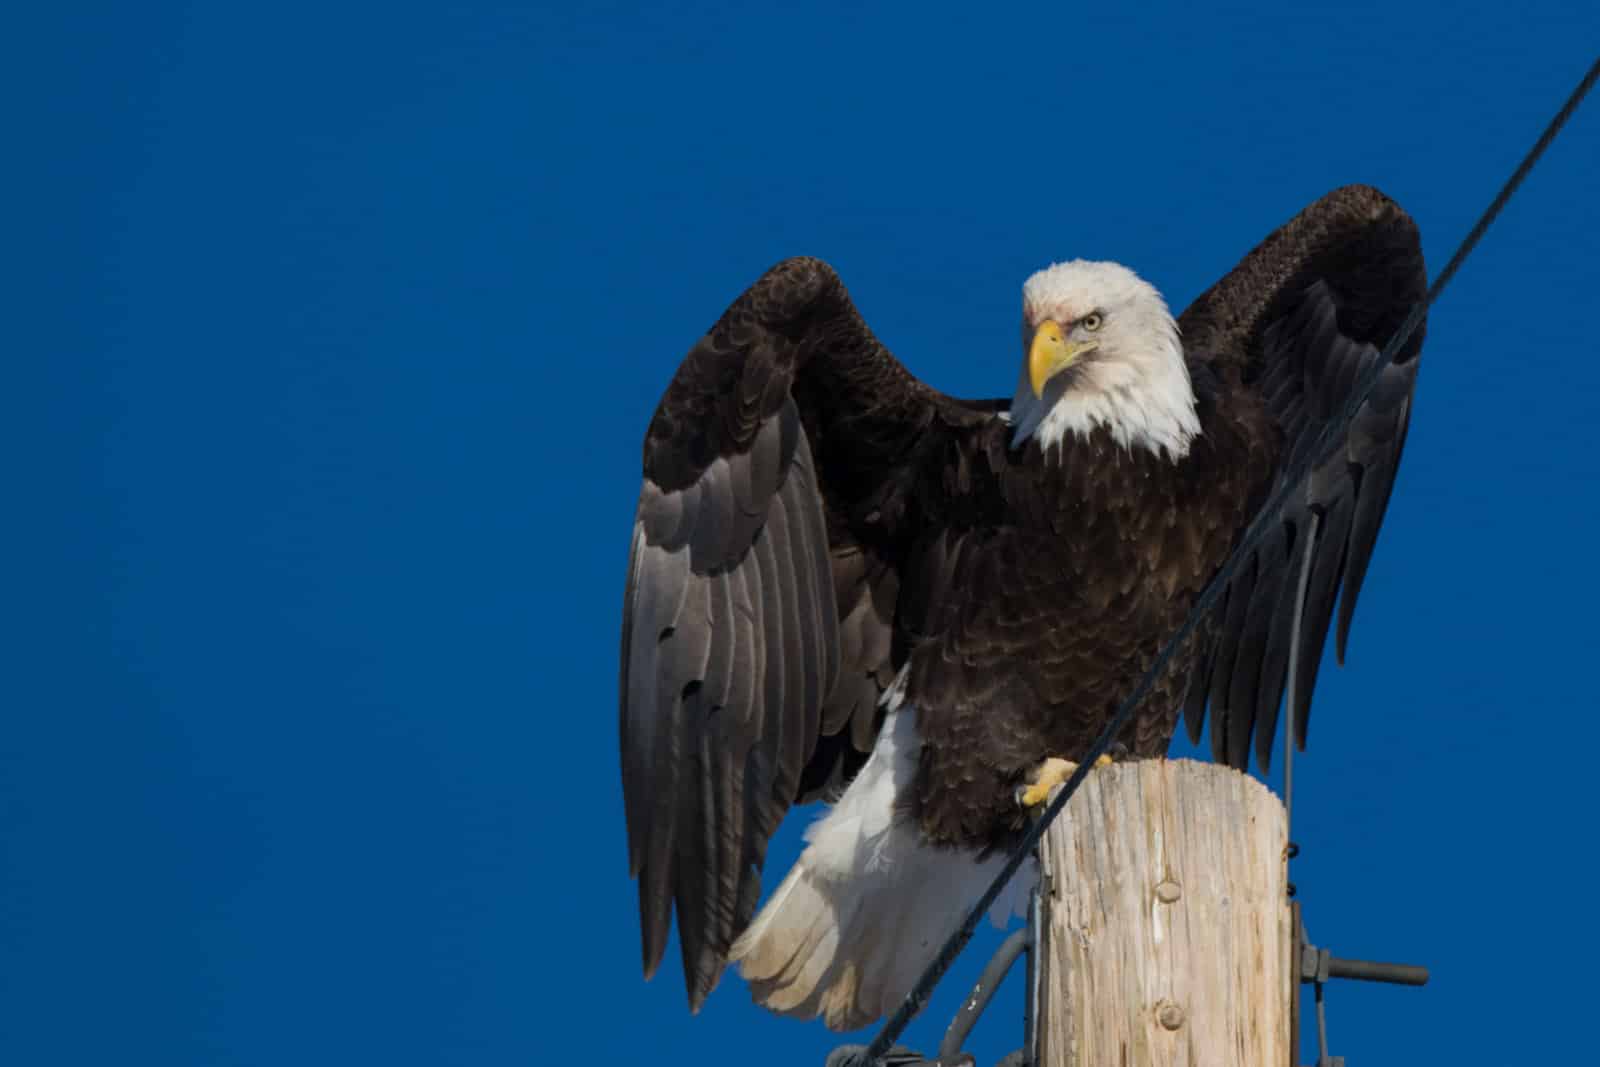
[{"x": 1100, "y": 348}]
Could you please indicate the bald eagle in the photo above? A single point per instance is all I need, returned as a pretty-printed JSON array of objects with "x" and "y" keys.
[{"x": 846, "y": 585}]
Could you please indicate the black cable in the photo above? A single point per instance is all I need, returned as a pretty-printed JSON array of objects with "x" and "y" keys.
[
  {"x": 1291, "y": 705},
  {"x": 918, "y": 997}
]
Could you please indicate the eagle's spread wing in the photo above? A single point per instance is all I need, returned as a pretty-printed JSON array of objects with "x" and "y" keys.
[
  {"x": 1299, "y": 321},
  {"x": 748, "y": 597}
]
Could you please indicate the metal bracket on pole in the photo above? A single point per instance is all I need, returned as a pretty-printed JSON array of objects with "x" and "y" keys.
[{"x": 1317, "y": 966}]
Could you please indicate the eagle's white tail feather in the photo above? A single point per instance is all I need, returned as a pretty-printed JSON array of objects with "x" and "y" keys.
[{"x": 869, "y": 903}]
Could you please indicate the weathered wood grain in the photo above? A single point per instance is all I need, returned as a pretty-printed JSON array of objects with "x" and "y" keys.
[{"x": 1168, "y": 935}]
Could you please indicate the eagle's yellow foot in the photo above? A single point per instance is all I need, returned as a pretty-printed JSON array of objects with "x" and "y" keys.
[{"x": 1052, "y": 773}]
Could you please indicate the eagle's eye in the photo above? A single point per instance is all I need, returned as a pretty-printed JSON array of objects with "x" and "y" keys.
[{"x": 1092, "y": 321}]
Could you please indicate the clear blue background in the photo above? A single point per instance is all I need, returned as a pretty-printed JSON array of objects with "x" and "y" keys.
[{"x": 330, "y": 334}]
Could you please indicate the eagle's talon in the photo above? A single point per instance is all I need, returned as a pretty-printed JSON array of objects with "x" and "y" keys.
[{"x": 1051, "y": 773}]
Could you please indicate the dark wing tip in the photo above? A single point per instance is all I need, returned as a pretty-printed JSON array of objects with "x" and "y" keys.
[
  {"x": 739, "y": 373},
  {"x": 1349, "y": 209},
  {"x": 1363, "y": 201},
  {"x": 791, "y": 289}
]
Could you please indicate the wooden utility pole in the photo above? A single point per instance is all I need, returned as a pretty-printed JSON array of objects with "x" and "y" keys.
[{"x": 1168, "y": 933}]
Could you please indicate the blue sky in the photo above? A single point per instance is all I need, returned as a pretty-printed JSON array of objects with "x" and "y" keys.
[{"x": 332, "y": 332}]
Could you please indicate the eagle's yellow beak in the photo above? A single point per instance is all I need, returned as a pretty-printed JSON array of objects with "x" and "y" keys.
[{"x": 1050, "y": 353}]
